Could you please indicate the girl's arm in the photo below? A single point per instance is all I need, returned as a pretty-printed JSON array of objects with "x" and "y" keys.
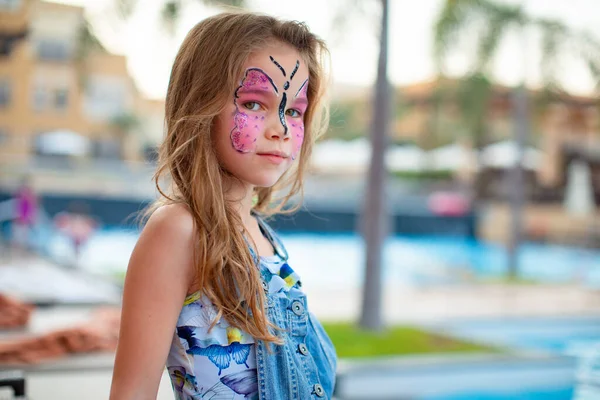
[{"x": 159, "y": 274}]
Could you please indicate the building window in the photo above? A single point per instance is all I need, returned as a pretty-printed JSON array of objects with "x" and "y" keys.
[
  {"x": 4, "y": 93},
  {"x": 53, "y": 50},
  {"x": 61, "y": 97},
  {"x": 8, "y": 42},
  {"x": 39, "y": 98},
  {"x": 10, "y": 5},
  {"x": 107, "y": 149},
  {"x": 105, "y": 97}
]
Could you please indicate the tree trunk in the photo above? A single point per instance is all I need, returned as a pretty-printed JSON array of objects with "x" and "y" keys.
[
  {"x": 517, "y": 200},
  {"x": 375, "y": 213}
]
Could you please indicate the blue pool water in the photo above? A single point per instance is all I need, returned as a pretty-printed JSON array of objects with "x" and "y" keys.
[
  {"x": 570, "y": 336},
  {"x": 565, "y": 393},
  {"x": 412, "y": 261}
]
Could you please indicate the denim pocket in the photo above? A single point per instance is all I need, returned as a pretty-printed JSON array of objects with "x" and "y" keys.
[{"x": 297, "y": 314}]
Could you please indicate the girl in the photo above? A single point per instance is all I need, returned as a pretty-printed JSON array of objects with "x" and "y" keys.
[{"x": 208, "y": 287}]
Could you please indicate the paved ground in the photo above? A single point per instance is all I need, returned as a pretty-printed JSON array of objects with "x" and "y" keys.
[{"x": 460, "y": 301}]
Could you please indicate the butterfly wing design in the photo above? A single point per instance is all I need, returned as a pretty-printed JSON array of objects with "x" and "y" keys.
[
  {"x": 240, "y": 352},
  {"x": 245, "y": 382},
  {"x": 218, "y": 355}
]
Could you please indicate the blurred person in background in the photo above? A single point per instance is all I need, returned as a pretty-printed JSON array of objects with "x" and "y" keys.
[
  {"x": 208, "y": 288},
  {"x": 25, "y": 218},
  {"x": 77, "y": 225}
]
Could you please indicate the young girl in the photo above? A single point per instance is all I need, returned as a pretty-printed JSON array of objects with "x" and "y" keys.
[{"x": 209, "y": 289}]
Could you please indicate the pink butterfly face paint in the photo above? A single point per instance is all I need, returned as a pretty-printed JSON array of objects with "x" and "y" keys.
[
  {"x": 249, "y": 117},
  {"x": 300, "y": 103}
]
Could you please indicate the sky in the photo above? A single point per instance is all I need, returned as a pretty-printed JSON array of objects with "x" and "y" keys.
[{"x": 150, "y": 50}]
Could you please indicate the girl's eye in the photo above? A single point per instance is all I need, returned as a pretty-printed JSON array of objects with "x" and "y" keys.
[
  {"x": 252, "y": 106},
  {"x": 293, "y": 113}
]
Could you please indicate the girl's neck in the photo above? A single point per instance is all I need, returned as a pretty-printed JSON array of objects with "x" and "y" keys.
[{"x": 241, "y": 194}]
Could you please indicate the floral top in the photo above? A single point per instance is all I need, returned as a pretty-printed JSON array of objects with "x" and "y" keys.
[{"x": 220, "y": 363}]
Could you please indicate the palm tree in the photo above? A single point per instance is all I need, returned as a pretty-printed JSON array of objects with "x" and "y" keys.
[
  {"x": 375, "y": 215},
  {"x": 490, "y": 21}
]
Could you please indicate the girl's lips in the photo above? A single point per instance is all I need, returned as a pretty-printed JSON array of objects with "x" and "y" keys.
[{"x": 274, "y": 158}]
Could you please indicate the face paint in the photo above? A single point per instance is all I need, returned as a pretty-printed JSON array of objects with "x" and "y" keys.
[
  {"x": 297, "y": 126},
  {"x": 303, "y": 90},
  {"x": 283, "y": 104},
  {"x": 248, "y": 124},
  {"x": 295, "y": 70},
  {"x": 282, "y": 113},
  {"x": 278, "y": 65}
]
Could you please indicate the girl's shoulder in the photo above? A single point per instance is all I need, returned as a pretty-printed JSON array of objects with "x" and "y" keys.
[
  {"x": 174, "y": 217},
  {"x": 169, "y": 235}
]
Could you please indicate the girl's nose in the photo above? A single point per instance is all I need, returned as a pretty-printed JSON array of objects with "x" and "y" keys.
[{"x": 277, "y": 131}]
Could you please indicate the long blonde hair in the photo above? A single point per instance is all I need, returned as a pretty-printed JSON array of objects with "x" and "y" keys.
[{"x": 206, "y": 71}]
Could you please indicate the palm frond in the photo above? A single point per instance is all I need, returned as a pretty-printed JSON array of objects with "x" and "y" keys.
[
  {"x": 225, "y": 3},
  {"x": 447, "y": 28},
  {"x": 590, "y": 53},
  {"x": 555, "y": 37},
  {"x": 497, "y": 19},
  {"x": 346, "y": 12},
  {"x": 125, "y": 8},
  {"x": 170, "y": 14},
  {"x": 459, "y": 18}
]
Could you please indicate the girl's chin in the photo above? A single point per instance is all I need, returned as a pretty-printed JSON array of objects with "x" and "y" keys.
[{"x": 264, "y": 183}]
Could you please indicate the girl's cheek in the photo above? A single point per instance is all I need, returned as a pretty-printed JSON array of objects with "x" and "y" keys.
[
  {"x": 246, "y": 128},
  {"x": 297, "y": 135}
]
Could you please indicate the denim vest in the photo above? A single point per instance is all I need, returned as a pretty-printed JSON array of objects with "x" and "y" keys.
[{"x": 304, "y": 366}]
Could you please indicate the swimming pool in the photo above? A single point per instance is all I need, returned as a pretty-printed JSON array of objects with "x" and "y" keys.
[
  {"x": 408, "y": 260},
  {"x": 567, "y": 335}
]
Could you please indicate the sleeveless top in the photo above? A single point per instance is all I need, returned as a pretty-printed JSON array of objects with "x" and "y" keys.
[{"x": 227, "y": 363}]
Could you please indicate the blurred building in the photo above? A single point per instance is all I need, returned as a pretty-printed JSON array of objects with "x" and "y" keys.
[
  {"x": 62, "y": 94},
  {"x": 564, "y": 127}
]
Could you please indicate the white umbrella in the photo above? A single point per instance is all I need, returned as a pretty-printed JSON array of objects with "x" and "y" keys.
[
  {"x": 339, "y": 155},
  {"x": 63, "y": 142},
  {"x": 405, "y": 158},
  {"x": 579, "y": 194},
  {"x": 452, "y": 157},
  {"x": 505, "y": 154}
]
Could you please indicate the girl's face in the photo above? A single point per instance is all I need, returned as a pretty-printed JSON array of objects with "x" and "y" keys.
[{"x": 260, "y": 132}]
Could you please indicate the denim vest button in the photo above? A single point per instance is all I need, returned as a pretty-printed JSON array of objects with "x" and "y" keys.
[
  {"x": 265, "y": 285},
  {"x": 318, "y": 389},
  {"x": 303, "y": 349},
  {"x": 298, "y": 308}
]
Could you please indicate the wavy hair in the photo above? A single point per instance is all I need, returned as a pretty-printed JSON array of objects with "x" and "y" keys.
[{"x": 206, "y": 71}]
